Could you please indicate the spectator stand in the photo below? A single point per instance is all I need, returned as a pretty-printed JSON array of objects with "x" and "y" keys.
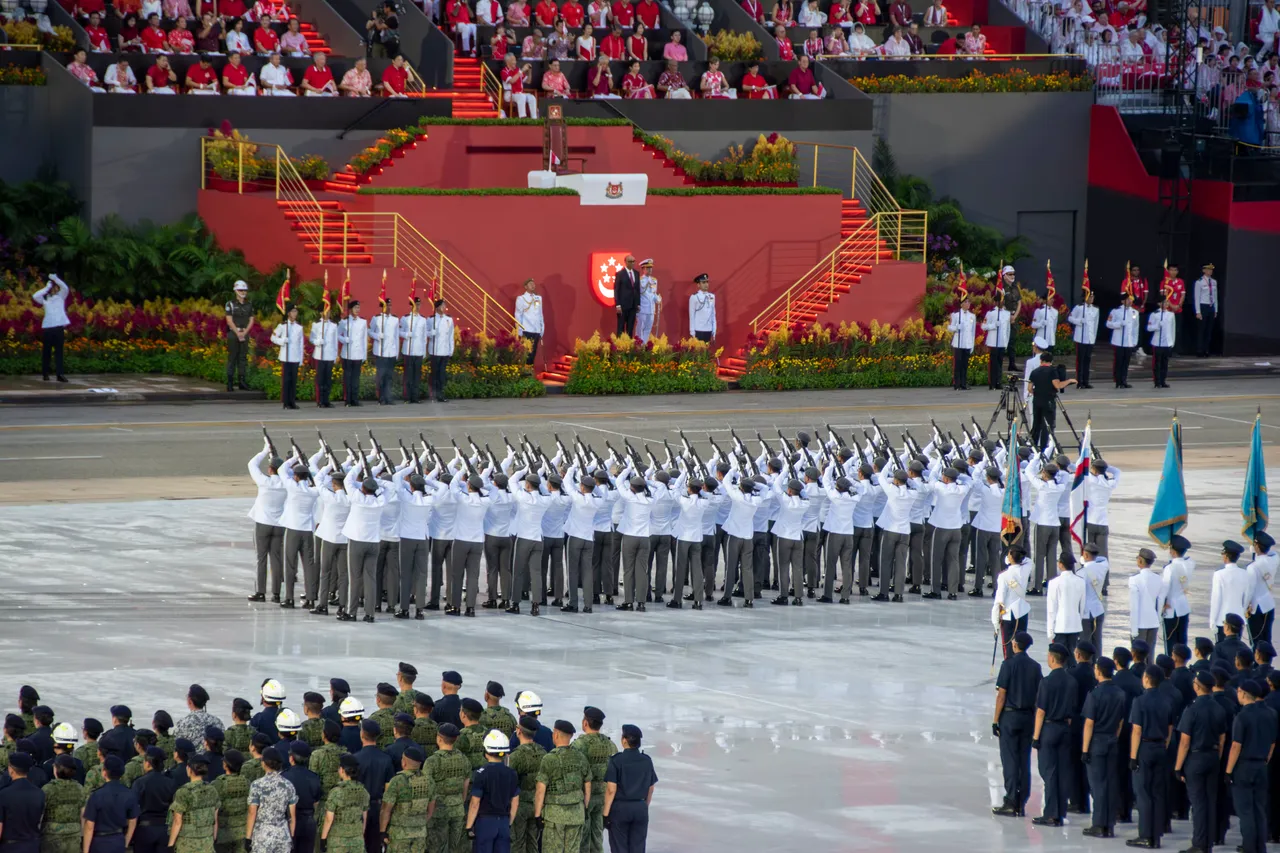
[{"x": 958, "y": 66}]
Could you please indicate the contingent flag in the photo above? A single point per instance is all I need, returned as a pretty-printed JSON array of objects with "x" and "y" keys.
[
  {"x": 1169, "y": 513},
  {"x": 1011, "y": 511},
  {"x": 1253, "y": 508},
  {"x": 1079, "y": 497}
]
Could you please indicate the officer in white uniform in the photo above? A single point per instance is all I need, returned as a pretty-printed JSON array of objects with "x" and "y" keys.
[
  {"x": 1100, "y": 483},
  {"x": 353, "y": 335},
  {"x": 298, "y": 520},
  {"x": 997, "y": 325},
  {"x": 529, "y": 317},
  {"x": 650, "y": 301},
  {"x": 1045, "y": 322},
  {"x": 324, "y": 343},
  {"x": 1095, "y": 571},
  {"x": 1204, "y": 298},
  {"x": 413, "y": 346},
  {"x": 439, "y": 350},
  {"x": 288, "y": 336},
  {"x": 1145, "y": 604},
  {"x": 1175, "y": 582},
  {"x": 1123, "y": 323},
  {"x": 702, "y": 310},
  {"x": 1263, "y": 571},
  {"x": 385, "y": 331},
  {"x": 268, "y": 535},
  {"x": 1084, "y": 321},
  {"x": 1009, "y": 610},
  {"x": 1232, "y": 590},
  {"x": 1162, "y": 324},
  {"x": 1066, "y": 600},
  {"x": 962, "y": 327}
]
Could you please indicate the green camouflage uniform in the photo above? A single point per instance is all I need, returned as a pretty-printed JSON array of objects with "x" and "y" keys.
[
  {"x": 471, "y": 744},
  {"x": 238, "y": 737},
  {"x": 29, "y": 721},
  {"x": 233, "y": 813},
  {"x": 348, "y": 801},
  {"x": 198, "y": 804},
  {"x": 63, "y": 800},
  {"x": 447, "y": 830},
  {"x": 93, "y": 780},
  {"x": 424, "y": 735},
  {"x": 133, "y": 771},
  {"x": 525, "y": 760},
  {"x": 404, "y": 702},
  {"x": 410, "y": 792},
  {"x": 324, "y": 763},
  {"x": 253, "y": 770},
  {"x": 166, "y": 742},
  {"x": 312, "y": 732},
  {"x": 598, "y": 749},
  {"x": 87, "y": 753},
  {"x": 6, "y": 749},
  {"x": 564, "y": 770},
  {"x": 386, "y": 720},
  {"x": 498, "y": 718}
]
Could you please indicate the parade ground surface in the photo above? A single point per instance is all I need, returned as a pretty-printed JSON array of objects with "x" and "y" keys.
[{"x": 126, "y": 556}]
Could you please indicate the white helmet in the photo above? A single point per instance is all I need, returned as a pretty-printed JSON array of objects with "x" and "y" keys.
[
  {"x": 1007, "y": 269},
  {"x": 351, "y": 708},
  {"x": 496, "y": 743},
  {"x": 288, "y": 721},
  {"x": 273, "y": 691},
  {"x": 65, "y": 733},
  {"x": 528, "y": 702}
]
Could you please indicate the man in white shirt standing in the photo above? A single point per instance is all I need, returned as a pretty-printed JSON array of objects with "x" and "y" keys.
[
  {"x": 530, "y": 506},
  {"x": 288, "y": 336},
  {"x": 324, "y": 349},
  {"x": 1010, "y": 610},
  {"x": 1095, "y": 571},
  {"x": 53, "y": 326},
  {"x": 1161, "y": 325},
  {"x": 1204, "y": 299},
  {"x": 353, "y": 334},
  {"x": 1045, "y": 322},
  {"x": 1232, "y": 590},
  {"x": 997, "y": 326},
  {"x": 895, "y": 533},
  {"x": 1084, "y": 320},
  {"x": 702, "y": 310},
  {"x": 268, "y": 535},
  {"x": 962, "y": 328},
  {"x": 1100, "y": 483},
  {"x": 1175, "y": 581},
  {"x": 950, "y": 496},
  {"x": 1041, "y": 480},
  {"x": 1145, "y": 603},
  {"x": 413, "y": 345},
  {"x": 1263, "y": 571},
  {"x": 650, "y": 301},
  {"x": 298, "y": 520},
  {"x": 1123, "y": 323},
  {"x": 1066, "y": 601},
  {"x": 362, "y": 530},
  {"x": 385, "y": 331},
  {"x": 439, "y": 349},
  {"x": 529, "y": 318}
]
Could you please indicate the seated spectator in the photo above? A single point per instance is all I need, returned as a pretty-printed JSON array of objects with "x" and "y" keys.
[
  {"x": 622, "y": 13},
  {"x": 755, "y": 9},
  {"x": 634, "y": 85},
  {"x": 357, "y": 83},
  {"x": 266, "y": 11},
  {"x": 637, "y": 43},
  {"x": 786, "y": 52},
  {"x": 265, "y": 40},
  {"x": 208, "y": 36},
  {"x": 613, "y": 45},
  {"x": 202, "y": 79},
  {"x": 865, "y": 12},
  {"x": 154, "y": 39},
  {"x": 229, "y": 10},
  {"x": 120, "y": 79},
  {"x": 1132, "y": 49},
  {"x": 895, "y": 45},
  {"x": 841, "y": 15},
  {"x": 573, "y": 14},
  {"x": 518, "y": 14},
  {"x": 554, "y": 83},
  {"x": 860, "y": 44},
  {"x": 802, "y": 85},
  {"x": 783, "y": 15},
  {"x": 237, "y": 79},
  {"x": 99, "y": 41},
  {"x": 811, "y": 17},
  {"x": 160, "y": 78},
  {"x": 293, "y": 42},
  {"x": 237, "y": 41},
  {"x": 974, "y": 41},
  {"x": 936, "y": 14},
  {"x": 85, "y": 8},
  {"x": 586, "y": 44},
  {"x": 130, "y": 37},
  {"x": 561, "y": 43},
  {"x": 900, "y": 13},
  {"x": 458, "y": 16},
  {"x": 714, "y": 84},
  {"x": 395, "y": 80},
  {"x": 671, "y": 84},
  {"x": 82, "y": 72},
  {"x": 649, "y": 13},
  {"x": 836, "y": 44},
  {"x": 317, "y": 80},
  {"x": 600, "y": 80},
  {"x": 489, "y": 13},
  {"x": 674, "y": 50},
  {"x": 514, "y": 81},
  {"x": 598, "y": 13},
  {"x": 500, "y": 42},
  {"x": 174, "y": 9},
  {"x": 276, "y": 80},
  {"x": 533, "y": 47},
  {"x": 912, "y": 35},
  {"x": 813, "y": 45},
  {"x": 545, "y": 13},
  {"x": 754, "y": 84},
  {"x": 180, "y": 39}
]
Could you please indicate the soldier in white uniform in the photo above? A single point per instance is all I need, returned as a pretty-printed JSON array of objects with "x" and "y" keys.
[
  {"x": 384, "y": 329},
  {"x": 1175, "y": 582},
  {"x": 324, "y": 343},
  {"x": 997, "y": 325},
  {"x": 413, "y": 346},
  {"x": 353, "y": 335},
  {"x": 1145, "y": 603},
  {"x": 1204, "y": 299},
  {"x": 1095, "y": 571},
  {"x": 1232, "y": 590},
  {"x": 1009, "y": 610},
  {"x": 288, "y": 336},
  {"x": 1100, "y": 483},
  {"x": 1084, "y": 320},
  {"x": 268, "y": 535},
  {"x": 650, "y": 301},
  {"x": 962, "y": 327},
  {"x": 1045, "y": 322},
  {"x": 439, "y": 349},
  {"x": 702, "y": 310},
  {"x": 529, "y": 317},
  {"x": 1123, "y": 323},
  {"x": 1162, "y": 324},
  {"x": 1263, "y": 571},
  {"x": 1066, "y": 600}
]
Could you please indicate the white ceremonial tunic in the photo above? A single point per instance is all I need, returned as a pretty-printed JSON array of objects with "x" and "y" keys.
[
  {"x": 1232, "y": 592},
  {"x": 1066, "y": 600},
  {"x": 353, "y": 334},
  {"x": 962, "y": 328},
  {"x": 1084, "y": 320},
  {"x": 702, "y": 312},
  {"x": 324, "y": 340},
  {"x": 413, "y": 334},
  {"x": 996, "y": 325},
  {"x": 288, "y": 336},
  {"x": 529, "y": 313}
]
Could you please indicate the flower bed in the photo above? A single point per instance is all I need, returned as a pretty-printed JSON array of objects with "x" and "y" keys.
[
  {"x": 772, "y": 161},
  {"x": 1011, "y": 81},
  {"x": 18, "y": 75},
  {"x": 620, "y": 365},
  {"x": 941, "y": 299},
  {"x": 733, "y": 47}
]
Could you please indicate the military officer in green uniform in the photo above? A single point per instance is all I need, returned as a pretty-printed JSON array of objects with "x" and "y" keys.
[
  {"x": 193, "y": 817},
  {"x": 406, "y": 803},
  {"x": 94, "y": 778},
  {"x": 240, "y": 733},
  {"x": 346, "y": 808},
  {"x": 253, "y": 770},
  {"x": 471, "y": 739},
  {"x": 87, "y": 752},
  {"x": 312, "y": 731},
  {"x": 142, "y": 739},
  {"x": 406, "y": 675},
  {"x": 64, "y": 798},
  {"x": 385, "y": 716},
  {"x": 451, "y": 772},
  {"x": 28, "y": 701},
  {"x": 325, "y": 760},
  {"x": 239, "y": 322},
  {"x": 598, "y": 749},
  {"x": 233, "y": 808},
  {"x": 425, "y": 730},
  {"x": 525, "y": 760},
  {"x": 163, "y": 723},
  {"x": 564, "y": 785},
  {"x": 495, "y": 716}
]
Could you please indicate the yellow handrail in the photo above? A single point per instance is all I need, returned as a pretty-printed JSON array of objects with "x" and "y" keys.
[
  {"x": 415, "y": 84},
  {"x": 862, "y": 183},
  {"x": 492, "y": 87}
]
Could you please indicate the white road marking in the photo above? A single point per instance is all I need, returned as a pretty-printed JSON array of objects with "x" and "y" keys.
[
  {"x": 42, "y": 458},
  {"x": 1215, "y": 417},
  {"x": 606, "y": 431}
]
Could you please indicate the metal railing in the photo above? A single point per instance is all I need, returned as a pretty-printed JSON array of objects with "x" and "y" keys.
[
  {"x": 847, "y": 169},
  {"x": 492, "y": 87}
]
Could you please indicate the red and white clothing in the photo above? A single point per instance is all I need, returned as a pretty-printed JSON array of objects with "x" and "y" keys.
[
  {"x": 614, "y": 47},
  {"x": 99, "y": 41},
  {"x": 265, "y": 11},
  {"x": 120, "y": 79},
  {"x": 783, "y": 14},
  {"x": 649, "y": 13},
  {"x": 757, "y": 88},
  {"x": 266, "y": 40},
  {"x": 714, "y": 85},
  {"x": 518, "y": 14},
  {"x": 202, "y": 80},
  {"x": 181, "y": 41},
  {"x": 396, "y": 78},
  {"x": 489, "y": 12},
  {"x": 294, "y": 44},
  {"x": 85, "y": 75},
  {"x": 237, "y": 80},
  {"x": 276, "y": 81},
  {"x": 836, "y": 44},
  {"x": 530, "y": 49},
  {"x": 573, "y": 15},
  {"x": 174, "y": 9},
  {"x": 357, "y": 83},
  {"x": 813, "y": 47},
  {"x": 637, "y": 48},
  {"x": 556, "y": 85},
  {"x": 600, "y": 83},
  {"x": 586, "y": 48},
  {"x": 975, "y": 44},
  {"x": 1174, "y": 290},
  {"x": 459, "y": 17},
  {"x": 785, "y": 52},
  {"x": 865, "y": 12},
  {"x": 672, "y": 83},
  {"x": 840, "y": 16},
  {"x": 598, "y": 13},
  {"x": 935, "y": 16},
  {"x": 232, "y": 9},
  {"x": 545, "y": 13},
  {"x": 755, "y": 9},
  {"x": 130, "y": 39},
  {"x": 623, "y": 14},
  {"x": 513, "y": 92},
  {"x": 321, "y": 82},
  {"x": 634, "y": 86},
  {"x": 160, "y": 82},
  {"x": 154, "y": 40},
  {"x": 238, "y": 42},
  {"x": 498, "y": 47}
]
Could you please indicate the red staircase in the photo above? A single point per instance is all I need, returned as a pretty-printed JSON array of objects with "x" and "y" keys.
[
  {"x": 558, "y": 373},
  {"x": 468, "y": 95},
  {"x": 662, "y": 158},
  {"x": 333, "y": 231},
  {"x": 315, "y": 41}
]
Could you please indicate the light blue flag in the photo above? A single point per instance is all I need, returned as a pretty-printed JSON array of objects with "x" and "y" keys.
[
  {"x": 1253, "y": 508},
  {"x": 1169, "y": 513},
  {"x": 1011, "y": 510}
]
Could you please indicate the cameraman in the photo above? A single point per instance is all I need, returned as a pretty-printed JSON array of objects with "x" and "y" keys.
[
  {"x": 1046, "y": 381},
  {"x": 383, "y": 32}
]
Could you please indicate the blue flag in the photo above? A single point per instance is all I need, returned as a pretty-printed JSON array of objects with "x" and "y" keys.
[
  {"x": 1169, "y": 513},
  {"x": 1011, "y": 510},
  {"x": 1253, "y": 508}
]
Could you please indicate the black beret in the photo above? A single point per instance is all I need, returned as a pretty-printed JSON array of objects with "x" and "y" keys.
[
  {"x": 1234, "y": 620},
  {"x": 121, "y": 711},
  {"x": 238, "y": 704},
  {"x": 234, "y": 759},
  {"x": 565, "y": 726},
  {"x": 451, "y": 677},
  {"x": 1249, "y": 685},
  {"x": 1023, "y": 640},
  {"x": 214, "y": 734},
  {"x": 26, "y": 744},
  {"x": 162, "y": 720},
  {"x": 340, "y": 685},
  {"x": 198, "y": 695},
  {"x": 29, "y": 693},
  {"x": 407, "y": 669},
  {"x": 493, "y": 688},
  {"x": 472, "y": 706},
  {"x": 530, "y": 723},
  {"x": 1106, "y": 666},
  {"x": 155, "y": 753},
  {"x": 385, "y": 689},
  {"x": 24, "y": 762},
  {"x": 404, "y": 719},
  {"x": 300, "y": 748},
  {"x": 1235, "y": 549},
  {"x": 415, "y": 753},
  {"x": 65, "y": 760},
  {"x": 631, "y": 732},
  {"x": 1086, "y": 647},
  {"x": 312, "y": 697},
  {"x": 448, "y": 730},
  {"x": 1139, "y": 646},
  {"x": 349, "y": 763},
  {"x": 111, "y": 764},
  {"x": 594, "y": 714},
  {"x": 14, "y": 721},
  {"x": 1204, "y": 646},
  {"x": 92, "y": 727},
  {"x": 424, "y": 700},
  {"x": 261, "y": 740},
  {"x": 371, "y": 727},
  {"x": 1164, "y": 662},
  {"x": 1205, "y": 679},
  {"x": 1265, "y": 649},
  {"x": 183, "y": 746}
]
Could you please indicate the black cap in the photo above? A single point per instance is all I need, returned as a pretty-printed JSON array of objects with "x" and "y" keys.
[
  {"x": 1253, "y": 688},
  {"x": 1264, "y": 540},
  {"x": 385, "y": 689},
  {"x": 162, "y": 720},
  {"x": 1235, "y": 549},
  {"x": 701, "y": 277},
  {"x": 340, "y": 685},
  {"x": 565, "y": 726},
  {"x": 493, "y": 688},
  {"x": 472, "y": 706},
  {"x": 240, "y": 705},
  {"x": 234, "y": 759},
  {"x": 1023, "y": 639},
  {"x": 1086, "y": 647},
  {"x": 593, "y": 715},
  {"x": 121, "y": 712},
  {"x": 530, "y": 723},
  {"x": 214, "y": 734},
  {"x": 300, "y": 748},
  {"x": 404, "y": 718},
  {"x": 415, "y": 753},
  {"x": 92, "y": 727},
  {"x": 198, "y": 695},
  {"x": 448, "y": 730},
  {"x": 185, "y": 747},
  {"x": 1205, "y": 679},
  {"x": 371, "y": 727},
  {"x": 28, "y": 693},
  {"x": 1265, "y": 649},
  {"x": 1234, "y": 620},
  {"x": 451, "y": 677},
  {"x": 1179, "y": 543},
  {"x": 24, "y": 762},
  {"x": 311, "y": 697},
  {"x": 155, "y": 753},
  {"x": 630, "y": 732}
]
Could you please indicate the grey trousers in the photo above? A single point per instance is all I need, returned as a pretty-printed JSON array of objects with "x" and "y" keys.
[
  {"x": 440, "y": 551},
  {"x": 760, "y": 557},
  {"x": 709, "y": 561},
  {"x": 812, "y": 539},
  {"x": 894, "y": 548},
  {"x": 863, "y": 537},
  {"x": 464, "y": 560},
  {"x": 840, "y": 550},
  {"x": 1148, "y": 635},
  {"x": 298, "y": 543},
  {"x": 528, "y": 570},
  {"x": 1091, "y": 629},
  {"x": 333, "y": 573},
  {"x": 1046, "y": 553},
  {"x": 553, "y": 565},
  {"x": 389, "y": 574},
  {"x": 1066, "y": 544},
  {"x": 1097, "y": 534},
  {"x": 944, "y": 556},
  {"x": 362, "y": 576},
  {"x": 413, "y": 572},
  {"x": 659, "y": 554},
  {"x": 790, "y": 567},
  {"x": 688, "y": 570},
  {"x": 497, "y": 567},
  {"x": 739, "y": 553},
  {"x": 600, "y": 544},
  {"x": 635, "y": 577},
  {"x": 915, "y": 554},
  {"x": 268, "y": 541},
  {"x": 580, "y": 567},
  {"x": 609, "y": 580},
  {"x": 987, "y": 563}
]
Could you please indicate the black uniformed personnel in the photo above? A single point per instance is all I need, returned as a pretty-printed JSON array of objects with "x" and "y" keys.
[
  {"x": 21, "y": 808},
  {"x": 154, "y": 791},
  {"x": 1014, "y": 724},
  {"x": 307, "y": 785},
  {"x": 1176, "y": 791},
  {"x": 119, "y": 740},
  {"x": 1253, "y": 737},
  {"x": 183, "y": 751},
  {"x": 1226, "y": 649},
  {"x": 375, "y": 772},
  {"x": 629, "y": 781},
  {"x": 1082, "y": 672},
  {"x": 1203, "y": 730},
  {"x": 1131, "y": 684},
  {"x": 449, "y": 703},
  {"x": 493, "y": 800},
  {"x": 111, "y": 814},
  {"x": 1226, "y": 700},
  {"x": 42, "y": 738},
  {"x": 214, "y": 738},
  {"x": 239, "y": 322},
  {"x": 1183, "y": 676},
  {"x": 1055, "y": 704},
  {"x": 403, "y": 730},
  {"x": 1152, "y": 720},
  {"x": 338, "y": 690},
  {"x": 1104, "y": 713}
]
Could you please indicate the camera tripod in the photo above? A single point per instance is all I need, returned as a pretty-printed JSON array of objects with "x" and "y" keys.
[{"x": 1013, "y": 408}]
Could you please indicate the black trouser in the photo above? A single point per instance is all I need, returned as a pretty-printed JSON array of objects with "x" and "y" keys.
[
  {"x": 413, "y": 378},
  {"x": 1120, "y": 373},
  {"x": 738, "y": 552},
  {"x": 553, "y": 551},
  {"x": 304, "y": 833},
  {"x": 384, "y": 371},
  {"x": 709, "y": 560},
  {"x": 1043, "y": 420},
  {"x": 1009, "y": 349},
  {"x": 960, "y": 367},
  {"x": 439, "y": 367},
  {"x": 705, "y": 337},
  {"x": 1249, "y": 794},
  {"x": 351, "y": 380},
  {"x": 1150, "y": 788},
  {"x": 1054, "y": 761},
  {"x": 237, "y": 360},
  {"x": 1259, "y": 625},
  {"x": 289, "y": 383},
  {"x": 1009, "y": 627},
  {"x": 995, "y": 356},
  {"x": 1016, "y": 728},
  {"x": 1204, "y": 334},
  {"x": 441, "y": 551},
  {"x": 268, "y": 541},
  {"x": 1084, "y": 359},
  {"x": 659, "y": 556},
  {"x": 1104, "y": 752},
  {"x": 862, "y": 539},
  {"x": 1175, "y": 632},
  {"x": 580, "y": 567},
  {"x": 628, "y": 826},
  {"x": 324, "y": 381},
  {"x": 627, "y": 321},
  {"x": 372, "y": 835},
  {"x": 1160, "y": 364},
  {"x": 151, "y": 837},
  {"x": 1201, "y": 769},
  {"x": 535, "y": 338},
  {"x": 51, "y": 344}
]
